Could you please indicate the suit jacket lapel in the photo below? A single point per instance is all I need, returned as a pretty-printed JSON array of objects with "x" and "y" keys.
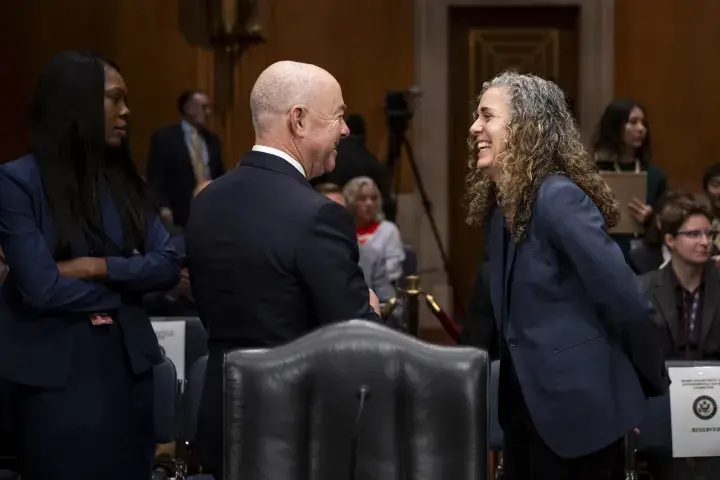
[
  {"x": 711, "y": 301},
  {"x": 665, "y": 298}
]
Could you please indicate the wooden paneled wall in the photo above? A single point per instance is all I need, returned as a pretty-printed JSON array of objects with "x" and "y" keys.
[
  {"x": 666, "y": 58},
  {"x": 367, "y": 45}
]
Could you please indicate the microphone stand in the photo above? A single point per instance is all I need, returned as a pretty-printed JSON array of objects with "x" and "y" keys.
[{"x": 363, "y": 394}]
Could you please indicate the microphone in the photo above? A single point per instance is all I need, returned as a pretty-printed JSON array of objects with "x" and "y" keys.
[{"x": 363, "y": 394}]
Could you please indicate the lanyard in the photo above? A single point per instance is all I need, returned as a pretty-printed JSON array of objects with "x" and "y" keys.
[
  {"x": 691, "y": 316},
  {"x": 619, "y": 170}
]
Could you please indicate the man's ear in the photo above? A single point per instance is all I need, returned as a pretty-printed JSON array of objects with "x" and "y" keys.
[
  {"x": 669, "y": 241},
  {"x": 297, "y": 120}
]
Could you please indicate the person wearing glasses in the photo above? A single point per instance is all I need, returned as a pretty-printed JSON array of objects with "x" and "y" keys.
[{"x": 686, "y": 290}]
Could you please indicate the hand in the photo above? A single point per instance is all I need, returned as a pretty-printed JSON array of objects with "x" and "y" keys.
[
  {"x": 166, "y": 216},
  {"x": 85, "y": 268},
  {"x": 374, "y": 301},
  {"x": 640, "y": 211},
  {"x": 184, "y": 287}
]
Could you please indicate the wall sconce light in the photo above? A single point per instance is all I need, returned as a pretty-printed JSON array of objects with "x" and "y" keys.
[{"x": 233, "y": 27}]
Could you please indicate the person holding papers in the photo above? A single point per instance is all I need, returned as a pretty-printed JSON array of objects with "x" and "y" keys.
[{"x": 622, "y": 145}]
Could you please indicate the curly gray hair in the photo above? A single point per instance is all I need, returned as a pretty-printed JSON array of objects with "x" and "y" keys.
[{"x": 542, "y": 139}]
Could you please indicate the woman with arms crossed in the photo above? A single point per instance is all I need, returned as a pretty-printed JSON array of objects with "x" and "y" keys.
[
  {"x": 83, "y": 244},
  {"x": 577, "y": 343}
]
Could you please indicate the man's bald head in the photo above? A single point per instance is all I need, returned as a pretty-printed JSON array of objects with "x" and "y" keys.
[
  {"x": 299, "y": 109},
  {"x": 283, "y": 85}
]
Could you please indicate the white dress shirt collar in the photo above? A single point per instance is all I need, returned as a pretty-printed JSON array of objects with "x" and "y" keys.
[{"x": 281, "y": 154}]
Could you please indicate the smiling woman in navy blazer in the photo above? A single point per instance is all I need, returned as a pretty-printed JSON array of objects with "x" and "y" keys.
[
  {"x": 83, "y": 244},
  {"x": 578, "y": 350}
]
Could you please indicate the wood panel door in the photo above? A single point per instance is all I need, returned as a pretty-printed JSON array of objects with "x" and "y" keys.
[{"x": 485, "y": 41}]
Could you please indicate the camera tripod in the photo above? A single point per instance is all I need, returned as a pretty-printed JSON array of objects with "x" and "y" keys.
[{"x": 398, "y": 115}]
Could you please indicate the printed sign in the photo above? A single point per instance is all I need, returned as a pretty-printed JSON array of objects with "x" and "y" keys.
[
  {"x": 694, "y": 397},
  {"x": 171, "y": 336}
]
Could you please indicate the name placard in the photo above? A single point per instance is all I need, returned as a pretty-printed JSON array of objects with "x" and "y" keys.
[
  {"x": 694, "y": 398},
  {"x": 171, "y": 337}
]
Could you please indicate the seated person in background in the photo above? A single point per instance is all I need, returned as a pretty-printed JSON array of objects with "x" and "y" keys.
[
  {"x": 711, "y": 187},
  {"x": 686, "y": 291},
  {"x": 371, "y": 261},
  {"x": 179, "y": 301},
  {"x": 650, "y": 253},
  {"x": 364, "y": 202}
]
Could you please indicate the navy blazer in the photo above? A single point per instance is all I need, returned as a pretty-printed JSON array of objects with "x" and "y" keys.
[
  {"x": 41, "y": 311},
  {"x": 577, "y": 327},
  {"x": 270, "y": 260}
]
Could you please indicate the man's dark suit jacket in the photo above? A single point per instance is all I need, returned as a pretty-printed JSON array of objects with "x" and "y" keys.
[
  {"x": 659, "y": 287},
  {"x": 577, "y": 327},
  {"x": 270, "y": 259},
  {"x": 42, "y": 313},
  {"x": 170, "y": 171}
]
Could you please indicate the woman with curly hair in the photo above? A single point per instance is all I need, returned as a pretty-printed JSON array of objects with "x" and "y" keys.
[{"x": 578, "y": 348}]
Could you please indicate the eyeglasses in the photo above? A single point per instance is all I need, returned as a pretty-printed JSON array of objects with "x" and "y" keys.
[{"x": 698, "y": 234}]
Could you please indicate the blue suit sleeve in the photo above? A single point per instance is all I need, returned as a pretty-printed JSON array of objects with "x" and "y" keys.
[
  {"x": 575, "y": 228},
  {"x": 158, "y": 269},
  {"x": 328, "y": 263},
  {"x": 33, "y": 269}
]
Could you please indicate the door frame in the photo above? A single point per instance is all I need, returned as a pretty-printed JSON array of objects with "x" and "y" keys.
[{"x": 430, "y": 125}]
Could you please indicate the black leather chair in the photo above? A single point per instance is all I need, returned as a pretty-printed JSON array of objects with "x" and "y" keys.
[
  {"x": 356, "y": 400},
  {"x": 166, "y": 401},
  {"x": 495, "y": 433},
  {"x": 195, "y": 339},
  {"x": 191, "y": 400}
]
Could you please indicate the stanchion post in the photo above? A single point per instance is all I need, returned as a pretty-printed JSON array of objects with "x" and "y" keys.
[
  {"x": 629, "y": 447},
  {"x": 412, "y": 306}
]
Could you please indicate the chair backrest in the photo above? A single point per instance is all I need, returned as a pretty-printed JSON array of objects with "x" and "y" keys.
[
  {"x": 359, "y": 391},
  {"x": 195, "y": 339},
  {"x": 166, "y": 401},
  {"x": 495, "y": 433},
  {"x": 410, "y": 265},
  {"x": 191, "y": 399}
]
